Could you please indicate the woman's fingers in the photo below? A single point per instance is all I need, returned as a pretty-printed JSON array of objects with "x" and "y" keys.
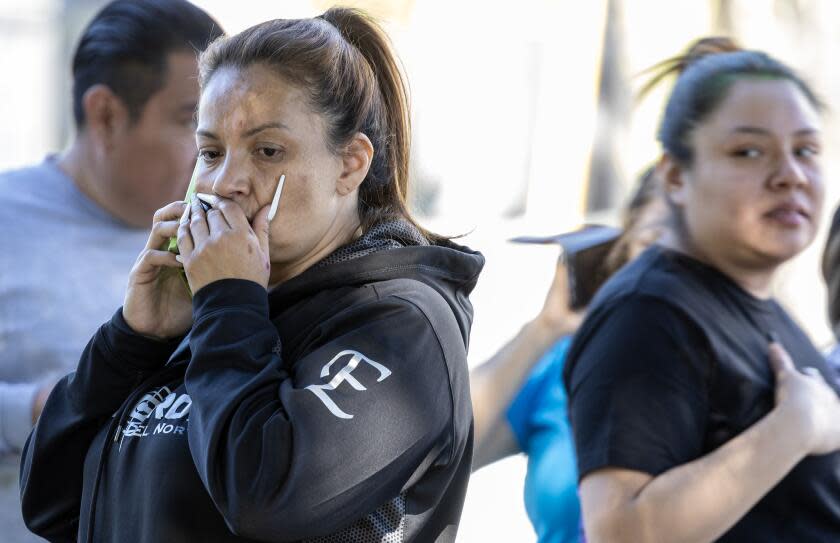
[
  {"x": 199, "y": 229},
  {"x": 165, "y": 224},
  {"x": 780, "y": 360},
  {"x": 151, "y": 260},
  {"x": 813, "y": 372},
  {"x": 162, "y": 258},
  {"x": 228, "y": 215},
  {"x": 170, "y": 212},
  {"x": 185, "y": 241},
  {"x": 560, "y": 283},
  {"x": 557, "y": 313},
  {"x": 234, "y": 216},
  {"x": 216, "y": 222},
  {"x": 260, "y": 227},
  {"x": 161, "y": 233}
]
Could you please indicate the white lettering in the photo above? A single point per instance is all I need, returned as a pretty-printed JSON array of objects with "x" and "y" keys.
[
  {"x": 148, "y": 403},
  {"x": 163, "y": 405},
  {"x": 180, "y": 408},
  {"x": 163, "y": 428}
]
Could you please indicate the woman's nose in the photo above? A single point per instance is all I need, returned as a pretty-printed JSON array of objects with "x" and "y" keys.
[
  {"x": 790, "y": 172},
  {"x": 228, "y": 181}
]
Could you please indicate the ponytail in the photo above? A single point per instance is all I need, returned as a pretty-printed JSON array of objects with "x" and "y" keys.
[
  {"x": 675, "y": 66},
  {"x": 363, "y": 33}
]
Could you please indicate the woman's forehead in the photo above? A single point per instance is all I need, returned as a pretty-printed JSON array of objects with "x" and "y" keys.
[
  {"x": 255, "y": 85},
  {"x": 241, "y": 99},
  {"x": 768, "y": 107}
]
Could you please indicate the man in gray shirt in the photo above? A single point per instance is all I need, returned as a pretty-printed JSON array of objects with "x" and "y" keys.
[{"x": 74, "y": 224}]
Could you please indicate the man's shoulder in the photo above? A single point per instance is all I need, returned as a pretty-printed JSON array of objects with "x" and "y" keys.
[
  {"x": 27, "y": 182},
  {"x": 30, "y": 171}
]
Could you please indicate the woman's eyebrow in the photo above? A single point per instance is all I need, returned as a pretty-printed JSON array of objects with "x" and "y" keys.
[
  {"x": 746, "y": 129},
  {"x": 250, "y": 132},
  {"x": 751, "y": 130},
  {"x": 265, "y": 126},
  {"x": 206, "y": 134}
]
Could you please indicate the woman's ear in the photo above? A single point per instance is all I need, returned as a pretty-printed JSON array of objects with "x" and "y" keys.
[
  {"x": 105, "y": 116},
  {"x": 673, "y": 176},
  {"x": 356, "y": 158}
]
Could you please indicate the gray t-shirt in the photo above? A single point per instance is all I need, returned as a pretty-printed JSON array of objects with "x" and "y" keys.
[{"x": 64, "y": 265}]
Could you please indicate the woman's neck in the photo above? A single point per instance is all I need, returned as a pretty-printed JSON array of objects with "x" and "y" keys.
[
  {"x": 339, "y": 235},
  {"x": 756, "y": 280}
]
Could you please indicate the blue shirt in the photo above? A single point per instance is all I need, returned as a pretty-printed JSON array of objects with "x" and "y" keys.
[{"x": 539, "y": 420}]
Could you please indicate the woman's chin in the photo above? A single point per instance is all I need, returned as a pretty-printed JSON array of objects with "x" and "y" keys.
[{"x": 781, "y": 251}]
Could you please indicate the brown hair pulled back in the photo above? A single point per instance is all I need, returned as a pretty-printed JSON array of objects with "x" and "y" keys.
[
  {"x": 646, "y": 192},
  {"x": 344, "y": 60},
  {"x": 676, "y": 65}
]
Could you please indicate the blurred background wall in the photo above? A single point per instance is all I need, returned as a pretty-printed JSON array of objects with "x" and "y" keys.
[{"x": 525, "y": 121}]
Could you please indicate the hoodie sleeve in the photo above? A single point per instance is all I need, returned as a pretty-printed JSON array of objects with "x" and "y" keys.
[
  {"x": 292, "y": 449},
  {"x": 114, "y": 362}
]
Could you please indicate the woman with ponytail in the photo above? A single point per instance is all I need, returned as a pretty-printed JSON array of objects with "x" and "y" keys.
[
  {"x": 684, "y": 430},
  {"x": 312, "y": 383}
]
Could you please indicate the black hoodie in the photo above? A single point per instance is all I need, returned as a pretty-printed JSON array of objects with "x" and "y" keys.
[{"x": 336, "y": 408}]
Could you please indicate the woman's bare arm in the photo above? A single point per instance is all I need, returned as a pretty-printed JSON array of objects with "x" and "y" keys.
[
  {"x": 701, "y": 500},
  {"x": 495, "y": 383}
]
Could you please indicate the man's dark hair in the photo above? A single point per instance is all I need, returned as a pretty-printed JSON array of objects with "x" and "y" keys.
[{"x": 126, "y": 45}]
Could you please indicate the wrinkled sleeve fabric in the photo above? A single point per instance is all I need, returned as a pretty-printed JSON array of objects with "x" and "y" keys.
[
  {"x": 637, "y": 378},
  {"x": 114, "y": 362},
  {"x": 298, "y": 448}
]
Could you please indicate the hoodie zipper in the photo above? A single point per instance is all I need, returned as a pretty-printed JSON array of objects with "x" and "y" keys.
[{"x": 117, "y": 422}]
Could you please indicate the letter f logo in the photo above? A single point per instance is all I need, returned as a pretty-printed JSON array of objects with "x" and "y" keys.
[{"x": 345, "y": 374}]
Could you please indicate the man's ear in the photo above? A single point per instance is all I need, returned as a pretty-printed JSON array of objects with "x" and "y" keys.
[
  {"x": 105, "y": 115},
  {"x": 356, "y": 159},
  {"x": 674, "y": 178}
]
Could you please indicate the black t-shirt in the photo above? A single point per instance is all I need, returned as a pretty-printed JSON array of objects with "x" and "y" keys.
[{"x": 671, "y": 363}]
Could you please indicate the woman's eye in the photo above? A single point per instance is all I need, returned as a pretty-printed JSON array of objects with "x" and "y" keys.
[
  {"x": 207, "y": 155},
  {"x": 748, "y": 152},
  {"x": 269, "y": 152},
  {"x": 807, "y": 151}
]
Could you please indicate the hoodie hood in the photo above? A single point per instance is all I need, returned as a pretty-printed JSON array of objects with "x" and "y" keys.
[{"x": 392, "y": 250}]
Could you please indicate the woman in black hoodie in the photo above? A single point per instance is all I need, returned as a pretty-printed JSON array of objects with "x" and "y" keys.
[{"x": 315, "y": 387}]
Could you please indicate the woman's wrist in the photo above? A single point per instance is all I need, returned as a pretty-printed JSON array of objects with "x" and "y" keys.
[
  {"x": 795, "y": 426},
  {"x": 545, "y": 332}
]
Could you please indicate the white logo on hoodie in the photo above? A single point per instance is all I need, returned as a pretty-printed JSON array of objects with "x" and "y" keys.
[
  {"x": 162, "y": 405},
  {"x": 345, "y": 374}
]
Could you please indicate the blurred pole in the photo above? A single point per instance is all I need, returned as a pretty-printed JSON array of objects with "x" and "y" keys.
[
  {"x": 606, "y": 182},
  {"x": 567, "y": 101},
  {"x": 653, "y": 30}
]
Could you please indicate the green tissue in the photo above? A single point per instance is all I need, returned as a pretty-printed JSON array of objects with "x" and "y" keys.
[{"x": 172, "y": 246}]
